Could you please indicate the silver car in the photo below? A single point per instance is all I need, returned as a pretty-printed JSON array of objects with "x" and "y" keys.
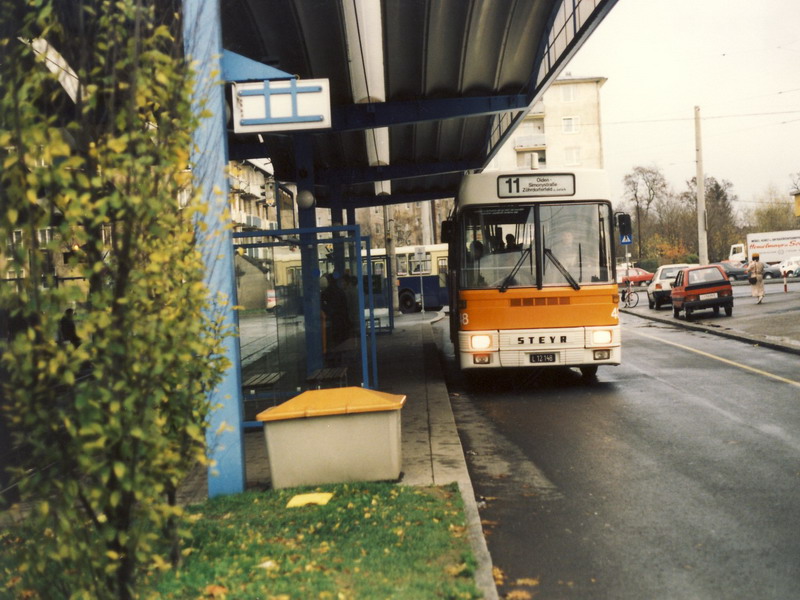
[{"x": 660, "y": 287}]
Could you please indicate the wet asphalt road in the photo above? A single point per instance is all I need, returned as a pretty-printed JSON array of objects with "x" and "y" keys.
[{"x": 675, "y": 475}]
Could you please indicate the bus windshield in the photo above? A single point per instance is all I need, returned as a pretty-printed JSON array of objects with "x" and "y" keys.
[{"x": 536, "y": 245}]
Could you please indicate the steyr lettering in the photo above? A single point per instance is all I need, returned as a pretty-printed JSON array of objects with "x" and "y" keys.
[{"x": 542, "y": 339}]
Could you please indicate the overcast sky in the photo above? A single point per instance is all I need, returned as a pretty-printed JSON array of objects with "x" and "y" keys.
[{"x": 738, "y": 60}]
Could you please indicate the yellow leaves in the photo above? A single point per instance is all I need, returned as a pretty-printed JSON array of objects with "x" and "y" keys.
[
  {"x": 162, "y": 78},
  {"x": 458, "y": 530},
  {"x": 119, "y": 469},
  {"x": 215, "y": 591},
  {"x": 10, "y": 160},
  {"x": 268, "y": 565},
  {"x": 519, "y": 594},
  {"x": 224, "y": 427},
  {"x": 320, "y": 499},
  {"x": 161, "y": 564},
  {"x": 457, "y": 570},
  {"x": 12, "y": 215},
  {"x": 56, "y": 148},
  {"x": 498, "y": 575}
]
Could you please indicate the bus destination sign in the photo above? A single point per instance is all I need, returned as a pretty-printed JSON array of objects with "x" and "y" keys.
[{"x": 532, "y": 186}]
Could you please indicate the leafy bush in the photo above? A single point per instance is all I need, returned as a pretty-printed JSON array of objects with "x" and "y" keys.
[{"x": 109, "y": 428}]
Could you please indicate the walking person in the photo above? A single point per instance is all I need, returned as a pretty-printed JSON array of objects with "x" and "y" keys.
[
  {"x": 66, "y": 329},
  {"x": 755, "y": 271}
]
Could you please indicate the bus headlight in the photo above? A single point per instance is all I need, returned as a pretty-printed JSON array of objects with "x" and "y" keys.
[
  {"x": 480, "y": 342},
  {"x": 601, "y": 337}
]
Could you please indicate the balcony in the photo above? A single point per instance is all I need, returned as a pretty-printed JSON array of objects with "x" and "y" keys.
[{"x": 530, "y": 142}]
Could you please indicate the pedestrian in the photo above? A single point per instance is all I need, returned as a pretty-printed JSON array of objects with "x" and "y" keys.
[
  {"x": 755, "y": 271},
  {"x": 66, "y": 329},
  {"x": 334, "y": 305}
]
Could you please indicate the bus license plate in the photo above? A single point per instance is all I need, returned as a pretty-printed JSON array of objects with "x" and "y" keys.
[
  {"x": 543, "y": 358},
  {"x": 708, "y": 296}
]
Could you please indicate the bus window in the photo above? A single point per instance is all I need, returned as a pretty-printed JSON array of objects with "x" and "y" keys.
[
  {"x": 402, "y": 264},
  {"x": 489, "y": 263},
  {"x": 422, "y": 267},
  {"x": 571, "y": 244}
]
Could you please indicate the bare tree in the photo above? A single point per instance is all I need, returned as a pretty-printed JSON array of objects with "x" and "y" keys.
[{"x": 643, "y": 186}]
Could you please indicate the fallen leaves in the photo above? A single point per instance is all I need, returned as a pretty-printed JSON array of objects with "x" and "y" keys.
[
  {"x": 319, "y": 498},
  {"x": 215, "y": 591}
]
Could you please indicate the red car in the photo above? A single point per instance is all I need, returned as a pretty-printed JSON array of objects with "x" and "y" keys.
[
  {"x": 699, "y": 288},
  {"x": 635, "y": 275}
]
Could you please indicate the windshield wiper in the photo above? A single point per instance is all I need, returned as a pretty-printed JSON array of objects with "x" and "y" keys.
[
  {"x": 507, "y": 280},
  {"x": 562, "y": 269}
]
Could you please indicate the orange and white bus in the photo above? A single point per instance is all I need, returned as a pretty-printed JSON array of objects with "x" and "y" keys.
[{"x": 532, "y": 282}]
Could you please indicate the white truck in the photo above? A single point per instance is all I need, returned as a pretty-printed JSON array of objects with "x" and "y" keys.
[{"x": 771, "y": 246}]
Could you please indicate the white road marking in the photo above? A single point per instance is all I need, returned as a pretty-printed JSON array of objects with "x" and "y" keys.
[{"x": 719, "y": 358}]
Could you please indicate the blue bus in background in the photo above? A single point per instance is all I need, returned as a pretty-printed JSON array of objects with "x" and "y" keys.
[{"x": 420, "y": 273}]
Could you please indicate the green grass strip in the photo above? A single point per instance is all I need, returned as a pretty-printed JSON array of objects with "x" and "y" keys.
[{"x": 372, "y": 540}]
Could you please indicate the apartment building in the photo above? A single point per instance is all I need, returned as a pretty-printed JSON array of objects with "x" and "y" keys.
[{"x": 563, "y": 130}]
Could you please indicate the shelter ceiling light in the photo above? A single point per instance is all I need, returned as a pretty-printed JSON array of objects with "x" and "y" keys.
[{"x": 364, "y": 29}]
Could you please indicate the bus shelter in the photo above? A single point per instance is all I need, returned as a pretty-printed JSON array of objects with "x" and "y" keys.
[{"x": 306, "y": 313}]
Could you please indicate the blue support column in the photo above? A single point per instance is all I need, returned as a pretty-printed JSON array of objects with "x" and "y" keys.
[
  {"x": 309, "y": 256},
  {"x": 203, "y": 44}
]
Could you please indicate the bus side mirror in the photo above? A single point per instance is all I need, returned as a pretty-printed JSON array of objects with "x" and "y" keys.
[
  {"x": 447, "y": 231},
  {"x": 624, "y": 225}
]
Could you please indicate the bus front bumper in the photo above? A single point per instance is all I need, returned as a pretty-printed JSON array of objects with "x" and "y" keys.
[{"x": 568, "y": 347}]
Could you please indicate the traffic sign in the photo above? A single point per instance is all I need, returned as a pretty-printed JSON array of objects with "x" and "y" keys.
[{"x": 625, "y": 240}]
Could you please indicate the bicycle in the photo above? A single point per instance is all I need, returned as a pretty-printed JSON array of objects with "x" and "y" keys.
[{"x": 630, "y": 298}]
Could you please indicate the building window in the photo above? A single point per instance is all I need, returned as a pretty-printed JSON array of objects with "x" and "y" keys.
[
  {"x": 45, "y": 236},
  {"x": 572, "y": 156},
  {"x": 570, "y": 124},
  {"x": 568, "y": 93}
]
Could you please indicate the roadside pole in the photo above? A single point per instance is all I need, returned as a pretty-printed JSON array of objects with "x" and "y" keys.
[
  {"x": 702, "y": 227},
  {"x": 419, "y": 256}
]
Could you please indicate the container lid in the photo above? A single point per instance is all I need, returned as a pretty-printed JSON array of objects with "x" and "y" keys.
[{"x": 333, "y": 401}]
